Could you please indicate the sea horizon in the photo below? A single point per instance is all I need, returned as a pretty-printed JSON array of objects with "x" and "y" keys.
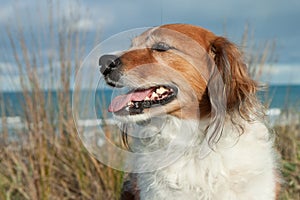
[{"x": 277, "y": 98}]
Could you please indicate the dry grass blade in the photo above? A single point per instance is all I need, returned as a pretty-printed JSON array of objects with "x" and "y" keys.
[{"x": 45, "y": 159}]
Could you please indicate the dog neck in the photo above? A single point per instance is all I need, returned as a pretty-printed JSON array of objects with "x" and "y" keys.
[{"x": 163, "y": 140}]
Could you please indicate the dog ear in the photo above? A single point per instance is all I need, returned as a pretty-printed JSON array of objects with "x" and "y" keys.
[
  {"x": 238, "y": 84},
  {"x": 230, "y": 89}
]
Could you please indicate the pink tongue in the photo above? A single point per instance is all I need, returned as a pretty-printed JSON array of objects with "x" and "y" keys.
[{"x": 121, "y": 101}]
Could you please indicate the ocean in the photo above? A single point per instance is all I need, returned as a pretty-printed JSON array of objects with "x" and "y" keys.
[{"x": 277, "y": 98}]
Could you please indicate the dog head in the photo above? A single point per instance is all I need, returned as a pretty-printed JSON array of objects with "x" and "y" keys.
[{"x": 180, "y": 70}]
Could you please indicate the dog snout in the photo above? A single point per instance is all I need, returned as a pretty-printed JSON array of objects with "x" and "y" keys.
[
  {"x": 110, "y": 67},
  {"x": 108, "y": 63}
]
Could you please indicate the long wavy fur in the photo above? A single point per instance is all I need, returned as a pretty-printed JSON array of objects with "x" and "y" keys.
[{"x": 232, "y": 91}]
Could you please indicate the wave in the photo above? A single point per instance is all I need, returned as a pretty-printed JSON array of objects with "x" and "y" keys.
[
  {"x": 10, "y": 122},
  {"x": 95, "y": 122},
  {"x": 279, "y": 117},
  {"x": 273, "y": 112},
  {"x": 275, "y": 116}
]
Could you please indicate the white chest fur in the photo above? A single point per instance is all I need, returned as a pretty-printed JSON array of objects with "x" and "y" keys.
[{"x": 239, "y": 168}]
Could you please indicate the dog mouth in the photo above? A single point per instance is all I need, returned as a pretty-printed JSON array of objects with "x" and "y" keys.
[{"x": 135, "y": 101}]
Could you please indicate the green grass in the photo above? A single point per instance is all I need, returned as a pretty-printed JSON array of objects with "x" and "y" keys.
[{"x": 288, "y": 144}]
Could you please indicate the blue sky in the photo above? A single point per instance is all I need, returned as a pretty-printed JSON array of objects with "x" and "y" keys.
[{"x": 269, "y": 20}]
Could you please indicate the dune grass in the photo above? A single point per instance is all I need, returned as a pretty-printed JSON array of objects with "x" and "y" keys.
[
  {"x": 288, "y": 144},
  {"x": 46, "y": 159}
]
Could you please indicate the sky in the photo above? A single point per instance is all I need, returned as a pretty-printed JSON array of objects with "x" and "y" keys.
[{"x": 273, "y": 21}]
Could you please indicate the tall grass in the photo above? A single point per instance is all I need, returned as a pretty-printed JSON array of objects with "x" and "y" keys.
[
  {"x": 288, "y": 144},
  {"x": 45, "y": 159},
  {"x": 287, "y": 134}
]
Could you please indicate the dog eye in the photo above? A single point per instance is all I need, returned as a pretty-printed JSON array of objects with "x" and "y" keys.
[{"x": 161, "y": 46}]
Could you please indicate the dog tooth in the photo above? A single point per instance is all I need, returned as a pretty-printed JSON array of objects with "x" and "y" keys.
[
  {"x": 147, "y": 98},
  {"x": 154, "y": 95},
  {"x": 161, "y": 90}
]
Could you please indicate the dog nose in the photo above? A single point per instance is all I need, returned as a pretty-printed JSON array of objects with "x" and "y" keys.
[{"x": 108, "y": 63}]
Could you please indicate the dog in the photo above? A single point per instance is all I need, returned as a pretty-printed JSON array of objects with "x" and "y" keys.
[{"x": 195, "y": 85}]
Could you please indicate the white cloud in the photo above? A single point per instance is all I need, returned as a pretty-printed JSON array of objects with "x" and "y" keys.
[
  {"x": 5, "y": 12},
  {"x": 115, "y": 16},
  {"x": 76, "y": 15},
  {"x": 9, "y": 82},
  {"x": 281, "y": 74},
  {"x": 7, "y": 68},
  {"x": 83, "y": 25},
  {"x": 84, "y": 17},
  {"x": 10, "y": 78}
]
